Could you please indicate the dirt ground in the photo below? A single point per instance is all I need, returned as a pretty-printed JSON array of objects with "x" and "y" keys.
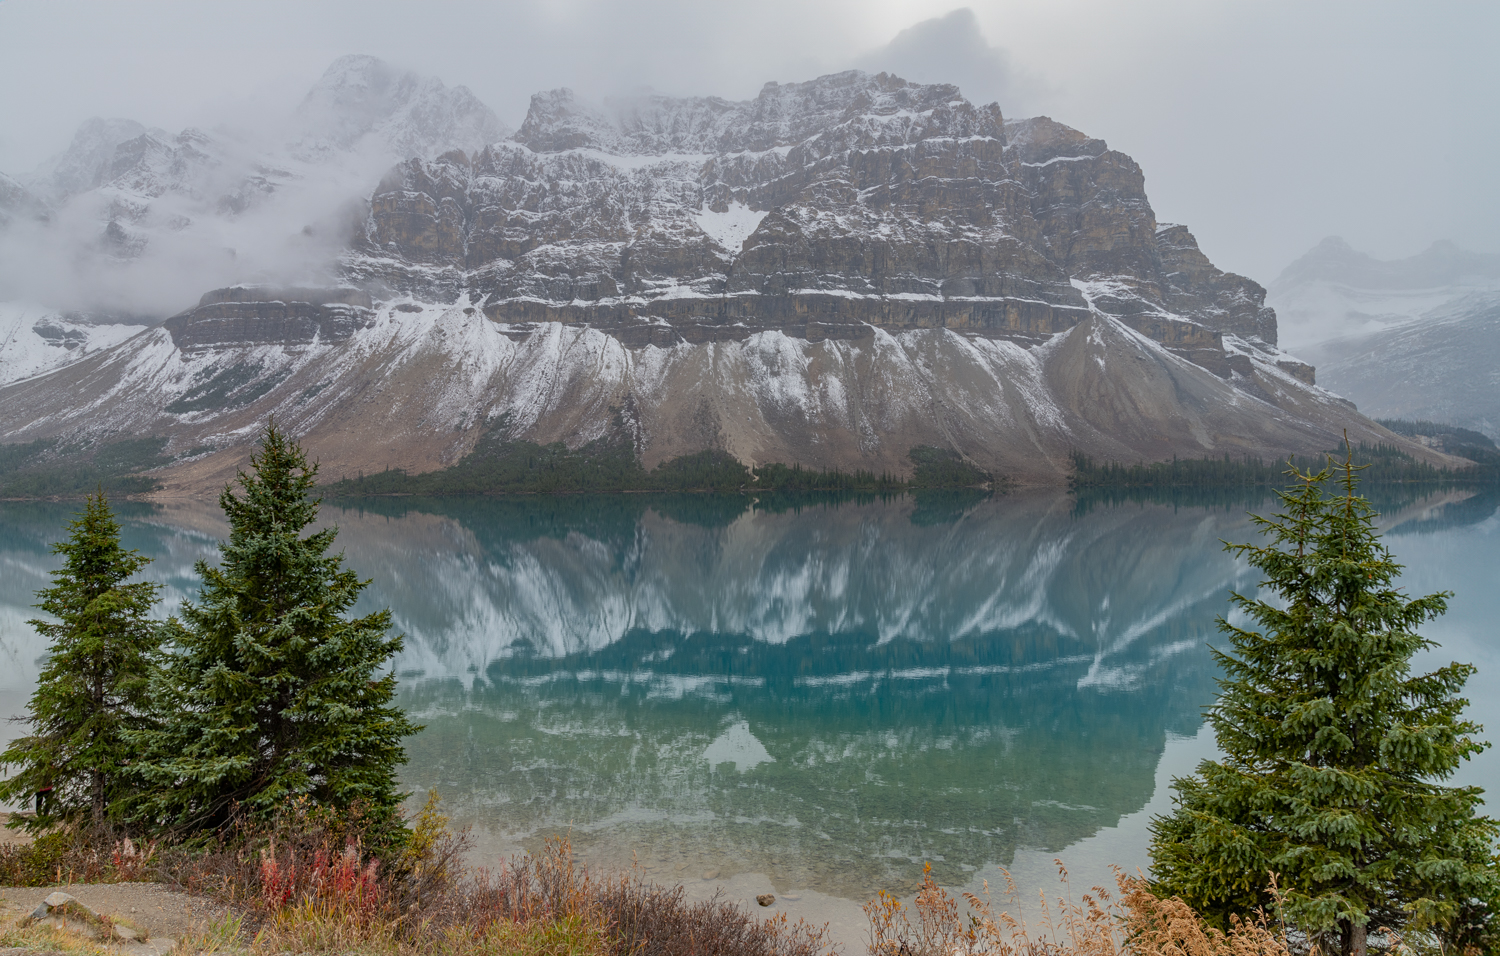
[
  {"x": 157, "y": 909},
  {"x": 9, "y": 837}
]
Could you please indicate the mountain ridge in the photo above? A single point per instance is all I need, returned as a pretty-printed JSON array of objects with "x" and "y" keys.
[{"x": 846, "y": 268}]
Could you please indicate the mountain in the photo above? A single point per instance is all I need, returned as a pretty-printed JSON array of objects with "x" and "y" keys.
[
  {"x": 1335, "y": 291},
  {"x": 35, "y": 339},
  {"x": 831, "y": 273},
  {"x": 1415, "y": 338},
  {"x": 16, "y": 201},
  {"x": 363, "y": 103},
  {"x": 1444, "y": 366},
  {"x": 140, "y": 220}
]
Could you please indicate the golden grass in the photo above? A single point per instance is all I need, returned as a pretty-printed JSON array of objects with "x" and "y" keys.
[
  {"x": 47, "y": 938},
  {"x": 1134, "y": 922},
  {"x": 307, "y": 929}
]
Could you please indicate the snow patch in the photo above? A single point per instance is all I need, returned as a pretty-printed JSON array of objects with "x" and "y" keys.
[
  {"x": 731, "y": 228},
  {"x": 35, "y": 340}
]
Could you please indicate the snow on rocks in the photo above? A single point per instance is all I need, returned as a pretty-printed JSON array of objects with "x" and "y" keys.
[
  {"x": 35, "y": 340},
  {"x": 731, "y": 227}
]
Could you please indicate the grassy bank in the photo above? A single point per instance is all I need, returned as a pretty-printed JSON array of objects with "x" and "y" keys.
[
  {"x": 312, "y": 884},
  {"x": 309, "y": 884}
]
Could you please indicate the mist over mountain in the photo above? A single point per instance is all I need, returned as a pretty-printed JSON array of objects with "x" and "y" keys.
[
  {"x": 831, "y": 273},
  {"x": 135, "y": 223},
  {"x": 952, "y": 49},
  {"x": 1415, "y": 338},
  {"x": 1335, "y": 291}
]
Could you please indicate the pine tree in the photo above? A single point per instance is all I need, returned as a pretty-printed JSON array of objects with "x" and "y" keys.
[
  {"x": 93, "y": 690},
  {"x": 1333, "y": 750},
  {"x": 274, "y": 694}
]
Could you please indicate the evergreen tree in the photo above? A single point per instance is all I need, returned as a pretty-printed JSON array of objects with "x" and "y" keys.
[
  {"x": 1333, "y": 750},
  {"x": 274, "y": 694},
  {"x": 93, "y": 689}
]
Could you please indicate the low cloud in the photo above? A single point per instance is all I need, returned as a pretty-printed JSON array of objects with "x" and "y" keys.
[
  {"x": 99, "y": 252},
  {"x": 142, "y": 222},
  {"x": 953, "y": 49}
]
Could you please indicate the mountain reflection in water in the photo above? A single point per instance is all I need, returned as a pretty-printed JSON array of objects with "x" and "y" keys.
[
  {"x": 833, "y": 693},
  {"x": 829, "y": 693}
]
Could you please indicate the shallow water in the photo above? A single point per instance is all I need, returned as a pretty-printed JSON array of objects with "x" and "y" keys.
[{"x": 803, "y": 697}]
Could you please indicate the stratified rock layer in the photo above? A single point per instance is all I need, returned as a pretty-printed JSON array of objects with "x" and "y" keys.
[
  {"x": 830, "y": 274},
  {"x": 865, "y": 200}
]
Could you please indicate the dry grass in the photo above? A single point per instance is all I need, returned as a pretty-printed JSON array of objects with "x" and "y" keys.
[
  {"x": 313, "y": 883},
  {"x": 310, "y": 884},
  {"x": 632, "y": 915},
  {"x": 1134, "y": 922},
  {"x": 49, "y": 939},
  {"x": 543, "y": 905}
]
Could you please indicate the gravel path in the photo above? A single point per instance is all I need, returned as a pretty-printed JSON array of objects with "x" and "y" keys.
[{"x": 159, "y": 910}]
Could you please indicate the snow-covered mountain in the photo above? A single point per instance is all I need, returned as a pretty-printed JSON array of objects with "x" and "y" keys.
[
  {"x": 35, "y": 339},
  {"x": 142, "y": 220},
  {"x": 1415, "y": 338},
  {"x": 1334, "y": 291},
  {"x": 363, "y": 104},
  {"x": 18, "y": 202},
  {"x": 831, "y": 273},
  {"x": 1443, "y": 366}
]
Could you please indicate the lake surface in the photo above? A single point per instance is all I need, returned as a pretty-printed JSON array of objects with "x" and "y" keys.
[{"x": 801, "y": 696}]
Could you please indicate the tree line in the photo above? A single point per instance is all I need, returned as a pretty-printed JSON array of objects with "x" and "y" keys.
[
  {"x": 502, "y": 466},
  {"x": 1380, "y": 462}
]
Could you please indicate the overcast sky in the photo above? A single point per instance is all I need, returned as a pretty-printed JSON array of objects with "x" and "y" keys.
[{"x": 1263, "y": 125}]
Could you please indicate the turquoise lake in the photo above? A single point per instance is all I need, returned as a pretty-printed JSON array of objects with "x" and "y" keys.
[{"x": 804, "y": 696}]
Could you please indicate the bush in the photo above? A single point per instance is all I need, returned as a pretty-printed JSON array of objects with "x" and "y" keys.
[
  {"x": 1137, "y": 922},
  {"x": 42, "y": 862},
  {"x": 313, "y": 880}
]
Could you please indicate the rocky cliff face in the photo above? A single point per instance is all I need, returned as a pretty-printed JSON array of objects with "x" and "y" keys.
[
  {"x": 824, "y": 207},
  {"x": 830, "y": 273}
]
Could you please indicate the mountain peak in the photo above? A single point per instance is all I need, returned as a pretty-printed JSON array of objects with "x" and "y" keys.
[
  {"x": 355, "y": 70},
  {"x": 1334, "y": 245},
  {"x": 363, "y": 101},
  {"x": 1334, "y": 260},
  {"x": 882, "y": 106},
  {"x": 87, "y": 161}
]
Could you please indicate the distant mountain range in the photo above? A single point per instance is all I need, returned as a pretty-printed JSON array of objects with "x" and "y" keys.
[
  {"x": 830, "y": 274},
  {"x": 1415, "y": 338}
]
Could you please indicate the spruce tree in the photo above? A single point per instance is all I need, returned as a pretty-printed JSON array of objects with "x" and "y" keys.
[
  {"x": 274, "y": 693},
  {"x": 93, "y": 689},
  {"x": 1333, "y": 750}
]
